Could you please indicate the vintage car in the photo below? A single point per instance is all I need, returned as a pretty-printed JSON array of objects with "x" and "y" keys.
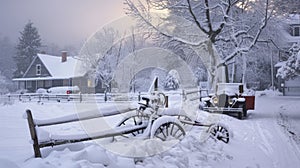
[{"x": 228, "y": 99}]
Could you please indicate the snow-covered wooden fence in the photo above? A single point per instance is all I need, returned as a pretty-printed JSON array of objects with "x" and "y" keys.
[
  {"x": 194, "y": 94},
  {"x": 35, "y": 124},
  {"x": 28, "y": 97}
]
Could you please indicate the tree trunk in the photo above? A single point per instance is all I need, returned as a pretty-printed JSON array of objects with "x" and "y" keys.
[
  {"x": 244, "y": 68},
  {"x": 211, "y": 60}
]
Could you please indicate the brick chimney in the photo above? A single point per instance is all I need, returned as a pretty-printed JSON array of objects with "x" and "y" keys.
[{"x": 64, "y": 56}]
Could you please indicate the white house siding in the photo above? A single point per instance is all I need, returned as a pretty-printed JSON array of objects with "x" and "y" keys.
[{"x": 292, "y": 87}]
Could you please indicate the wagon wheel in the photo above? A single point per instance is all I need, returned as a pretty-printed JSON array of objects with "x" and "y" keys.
[
  {"x": 219, "y": 132},
  {"x": 133, "y": 120},
  {"x": 169, "y": 130}
]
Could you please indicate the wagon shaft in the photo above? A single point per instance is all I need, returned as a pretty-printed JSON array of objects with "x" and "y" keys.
[{"x": 103, "y": 134}]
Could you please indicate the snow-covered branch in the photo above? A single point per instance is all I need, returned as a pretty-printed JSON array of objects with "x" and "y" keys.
[
  {"x": 148, "y": 22},
  {"x": 195, "y": 18},
  {"x": 254, "y": 39}
]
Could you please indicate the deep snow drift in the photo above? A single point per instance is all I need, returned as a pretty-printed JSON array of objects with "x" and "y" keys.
[{"x": 269, "y": 137}]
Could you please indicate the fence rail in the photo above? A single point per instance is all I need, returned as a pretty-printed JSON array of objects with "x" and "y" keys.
[
  {"x": 28, "y": 97},
  {"x": 192, "y": 94}
]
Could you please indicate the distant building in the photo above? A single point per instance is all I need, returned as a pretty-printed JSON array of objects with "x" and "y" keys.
[
  {"x": 290, "y": 35},
  {"x": 47, "y": 71}
]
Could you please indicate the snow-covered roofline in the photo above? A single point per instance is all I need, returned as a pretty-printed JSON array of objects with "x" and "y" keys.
[
  {"x": 280, "y": 64},
  {"x": 58, "y": 69},
  {"x": 38, "y": 78},
  {"x": 293, "y": 19}
]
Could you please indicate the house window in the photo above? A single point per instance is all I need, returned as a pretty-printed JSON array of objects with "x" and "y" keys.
[
  {"x": 38, "y": 69},
  {"x": 296, "y": 30},
  {"x": 22, "y": 85},
  {"x": 28, "y": 84},
  {"x": 40, "y": 84},
  {"x": 66, "y": 82},
  {"x": 48, "y": 83},
  {"x": 91, "y": 83}
]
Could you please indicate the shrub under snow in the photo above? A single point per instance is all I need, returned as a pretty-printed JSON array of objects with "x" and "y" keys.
[{"x": 291, "y": 68}]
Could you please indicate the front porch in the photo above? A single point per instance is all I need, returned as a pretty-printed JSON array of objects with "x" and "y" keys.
[{"x": 32, "y": 84}]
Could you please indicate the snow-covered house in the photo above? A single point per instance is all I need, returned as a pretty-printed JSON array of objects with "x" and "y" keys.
[
  {"x": 47, "y": 71},
  {"x": 290, "y": 38},
  {"x": 290, "y": 31}
]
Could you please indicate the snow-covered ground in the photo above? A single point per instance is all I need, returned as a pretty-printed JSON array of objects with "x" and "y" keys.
[{"x": 268, "y": 138}]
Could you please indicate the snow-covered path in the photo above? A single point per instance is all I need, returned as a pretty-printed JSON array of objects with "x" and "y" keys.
[
  {"x": 273, "y": 118},
  {"x": 14, "y": 133},
  {"x": 262, "y": 140}
]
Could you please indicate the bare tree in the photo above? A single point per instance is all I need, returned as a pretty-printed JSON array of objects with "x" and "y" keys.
[
  {"x": 103, "y": 52},
  {"x": 100, "y": 54},
  {"x": 230, "y": 27}
]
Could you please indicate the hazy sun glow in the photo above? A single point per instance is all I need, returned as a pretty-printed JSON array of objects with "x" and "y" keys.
[{"x": 245, "y": 5}]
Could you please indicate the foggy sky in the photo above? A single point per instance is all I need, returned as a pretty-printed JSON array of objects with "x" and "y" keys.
[{"x": 63, "y": 22}]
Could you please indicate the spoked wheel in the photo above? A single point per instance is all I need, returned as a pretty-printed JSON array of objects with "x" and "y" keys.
[
  {"x": 133, "y": 120},
  {"x": 219, "y": 132},
  {"x": 169, "y": 130}
]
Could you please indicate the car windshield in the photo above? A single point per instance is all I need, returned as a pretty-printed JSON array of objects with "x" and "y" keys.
[{"x": 230, "y": 89}]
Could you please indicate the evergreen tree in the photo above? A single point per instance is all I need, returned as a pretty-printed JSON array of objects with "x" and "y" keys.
[
  {"x": 4, "y": 84},
  {"x": 7, "y": 64},
  {"x": 27, "y": 48},
  {"x": 172, "y": 80}
]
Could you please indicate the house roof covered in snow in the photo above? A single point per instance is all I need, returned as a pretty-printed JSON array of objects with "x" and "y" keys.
[
  {"x": 285, "y": 27},
  {"x": 293, "y": 19},
  {"x": 57, "y": 68}
]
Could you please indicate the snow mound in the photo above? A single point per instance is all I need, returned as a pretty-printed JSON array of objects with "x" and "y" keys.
[
  {"x": 139, "y": 148},
  {"x": 92, "y": 155},
  {"x": 7, "y": 163},
  {"x": 269, "y": 93}
]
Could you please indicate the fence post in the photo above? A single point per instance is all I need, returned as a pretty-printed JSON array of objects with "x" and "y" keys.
[
  {"x": 80, "y": 97},
  {"x": 36, "y": 148},
  {"x": 139, "y": 96},
  {"x": 105, "y": 96}
]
